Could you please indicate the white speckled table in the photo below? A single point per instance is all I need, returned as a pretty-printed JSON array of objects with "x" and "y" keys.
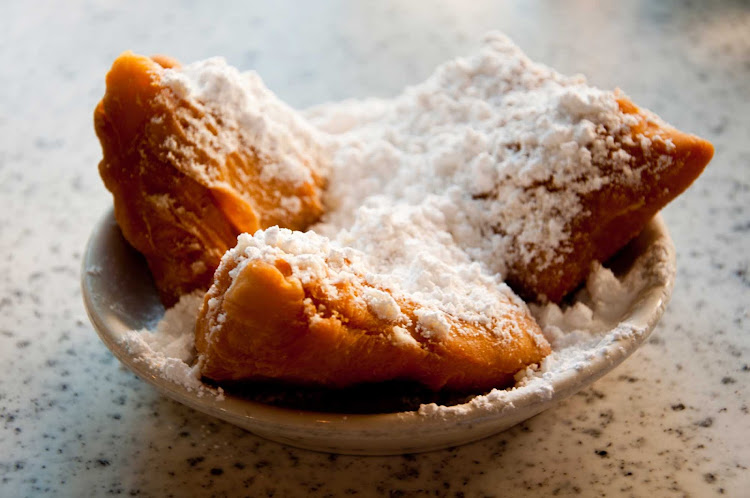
[{"x": 671, "y": 421}]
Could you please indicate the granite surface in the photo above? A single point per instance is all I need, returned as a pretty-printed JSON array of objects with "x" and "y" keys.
[{"x": 671, "y": 421}]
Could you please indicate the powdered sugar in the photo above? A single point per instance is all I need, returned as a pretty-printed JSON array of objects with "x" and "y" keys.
[
  {"x": 383, "y": 305},
  {"x": 169, "y": 351},
  {"x": 502, "y": 147},
  {"x": 481, "y": 165},
  {"x": 431, "y": 195},
  {"x": 596, "y": 331},
  {"x": 426, "y": 270},
  {"x": 225, "y": 111}
]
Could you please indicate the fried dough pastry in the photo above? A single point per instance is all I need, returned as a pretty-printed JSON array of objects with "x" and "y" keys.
[
  {"x": 493, "y": 169},
  {"x": 311, "y": 318},
  {"x": 662, "y": 163},
  {"x": 540, "y": 174},
  {"x": 188, "y": 177}
]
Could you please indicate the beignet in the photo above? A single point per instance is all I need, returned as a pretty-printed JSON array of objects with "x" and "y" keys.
[
  {"x": 292, "y": 307},
  {"x": 537, "y": 174},
  {"x": 188, "y": 175},
  {"x": 658, "y": 163}
]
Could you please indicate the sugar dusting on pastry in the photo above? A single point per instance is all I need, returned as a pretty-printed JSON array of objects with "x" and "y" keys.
[
  {"x": 249, "y": 113},
  {"x": 431, "y": 273},
  {"x": 244, "y": 102},
  {"x": 433, "y": 193},
  {"x": 593, "y": 329},
  {"x": 446, "y": 182},
  {"x": 497, "y": 148}
]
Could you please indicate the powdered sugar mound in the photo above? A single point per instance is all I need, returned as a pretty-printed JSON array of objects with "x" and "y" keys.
[
  {"x": 411, "y": 252},
  {"x": 507, "y": 147},
  {"x": 597, "y": 308},
  {"x": 588, "y": 337},
  {"x": 169, "y": 351}
]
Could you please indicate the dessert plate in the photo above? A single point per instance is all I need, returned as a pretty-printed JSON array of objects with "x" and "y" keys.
[{"x": 119, "y": 296}]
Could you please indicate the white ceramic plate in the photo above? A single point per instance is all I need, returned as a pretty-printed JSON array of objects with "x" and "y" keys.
[{"x": 119, "y": 296}]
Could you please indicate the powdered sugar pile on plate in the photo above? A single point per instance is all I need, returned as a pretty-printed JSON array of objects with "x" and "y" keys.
[
  {"x": 169, "y": 349},
  {"x": 435, "y": 192}
]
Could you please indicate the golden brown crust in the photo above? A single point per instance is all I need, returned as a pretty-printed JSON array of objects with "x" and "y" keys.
[
  {"x": 616, "y": 213},
  {"x": 182, "y": 218},
  {"x": 183, "y": 241},
  {"x": 265, "y": 324}
]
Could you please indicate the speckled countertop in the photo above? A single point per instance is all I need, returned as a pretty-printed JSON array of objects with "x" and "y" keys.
[{"x": 671, "y": 421}]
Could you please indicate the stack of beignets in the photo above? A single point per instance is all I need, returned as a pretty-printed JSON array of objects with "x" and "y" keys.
[{"x": 187, "y": 177}]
